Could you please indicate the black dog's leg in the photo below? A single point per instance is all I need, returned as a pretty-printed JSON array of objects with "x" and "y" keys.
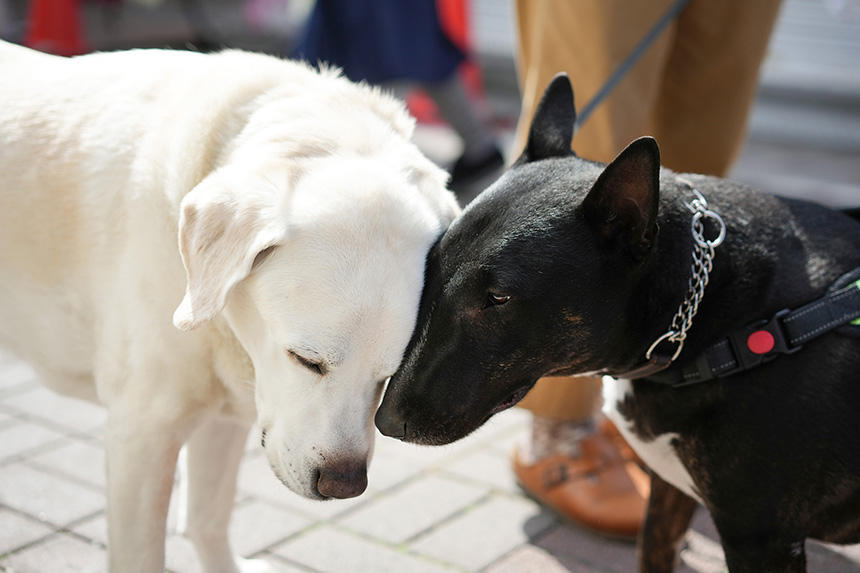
[
  {"x": 669, "y": 514},
  {"x": 763, "y": 553}
]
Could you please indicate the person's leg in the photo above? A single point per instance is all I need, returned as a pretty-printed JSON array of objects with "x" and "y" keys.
[
  {"x": 588, "y": 40},
  {"x": 594, "y": 484},
  {"x": 563, "y": 410},
  {"x": 710, "y": 82}
]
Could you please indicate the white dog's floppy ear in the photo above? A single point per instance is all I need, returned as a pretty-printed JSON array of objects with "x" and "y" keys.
[{"x": 226, "y": 221}]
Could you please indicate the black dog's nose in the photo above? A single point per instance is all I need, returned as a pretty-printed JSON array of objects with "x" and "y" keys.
[
  {"x": 390, "y": 423},
  {"x": 343, "y": 479}
]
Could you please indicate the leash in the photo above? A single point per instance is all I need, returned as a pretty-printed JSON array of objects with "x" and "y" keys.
[{"x": 637, "y": 52}]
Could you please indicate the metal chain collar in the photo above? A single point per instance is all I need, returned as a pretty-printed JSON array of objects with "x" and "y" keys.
[{"x": 703, "y": 258}]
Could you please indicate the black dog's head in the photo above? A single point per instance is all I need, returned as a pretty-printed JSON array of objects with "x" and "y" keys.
[{"x": 530, "y": 280}]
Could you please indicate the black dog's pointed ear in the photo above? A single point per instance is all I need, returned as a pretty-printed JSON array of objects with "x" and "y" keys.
[
  {"x": 623, "y": 201},
  {"x": 552, "y": 127}
]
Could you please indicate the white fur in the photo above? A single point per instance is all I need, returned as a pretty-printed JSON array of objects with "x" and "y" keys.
[
  {"x": 105, "y": 160},
  {"x": 659, "y": 454}
]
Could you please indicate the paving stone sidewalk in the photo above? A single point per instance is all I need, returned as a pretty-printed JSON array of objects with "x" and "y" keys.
[{"x": 453, "y": 508}]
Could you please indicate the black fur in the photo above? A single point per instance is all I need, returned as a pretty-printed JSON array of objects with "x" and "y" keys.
[{"x": 595, "y": 260}]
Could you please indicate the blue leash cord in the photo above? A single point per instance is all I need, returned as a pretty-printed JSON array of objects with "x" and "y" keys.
[{"x": 629, "y": 61}]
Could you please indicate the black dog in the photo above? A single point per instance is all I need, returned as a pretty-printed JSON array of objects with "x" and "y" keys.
[{"x": 569, "y": 266}]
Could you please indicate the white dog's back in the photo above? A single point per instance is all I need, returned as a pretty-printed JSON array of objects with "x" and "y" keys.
[{"x": 96, "y": 153}]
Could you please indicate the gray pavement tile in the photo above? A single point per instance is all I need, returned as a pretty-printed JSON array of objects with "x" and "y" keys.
[
  {"x": 702, "y": 554},
  {"x": 257, "y": 525},
  {"x": 506, "y": 444},
  {"x": 56, "y": 410},
  {"x": 850, "y": 552},
  {"x": 16, "y": 530},
  {"x": 94, "y": 529},
  {"x": 257, "y": 480},
  {"x": 422, "y": 457},
  {"x": 180, "y": 557},
  {"x": 572, "y": 545},
  {"x": 529, "y": 559},
  {"x": 482, "y": 535},
  {"x": 254, "y": 527},
  {"x": 827, "y": 557},
  {"x": 404, "y": 513},
  {"x": 21, "y": 437},
  {"x": 282, "y": 565},
  {"x": 498, "y": 429},
  {"x": 488, "y": 467},
  {"x": 81, "y": 460},
  {"x": 60, "y": 554},
  {"x": 15, "y": 374},
  {"x": 12, "y": 390},
  {"x": 330, "y": 550},
  {"x": 46, "y": 497},
  {"x": 387, "y": 470}
]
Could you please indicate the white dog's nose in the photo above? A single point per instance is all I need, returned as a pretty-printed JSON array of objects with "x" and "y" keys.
[{"x": 343, "y": 479}]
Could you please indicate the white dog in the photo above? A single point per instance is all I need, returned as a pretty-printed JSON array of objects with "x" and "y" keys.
[{"x": 303, "y": 215}]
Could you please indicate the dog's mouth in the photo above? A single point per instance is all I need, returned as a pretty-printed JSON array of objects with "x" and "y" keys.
[{"x": 511, "y": 400}]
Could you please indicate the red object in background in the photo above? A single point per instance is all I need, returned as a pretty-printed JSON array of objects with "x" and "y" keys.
[
  {"x": 454, "y": 18},
  {"x": 455, "y": 21},
  {"x": 54, "y": 26}
]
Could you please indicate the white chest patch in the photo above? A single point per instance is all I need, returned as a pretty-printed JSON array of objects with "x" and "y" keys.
[{"x": 659, "y": 453}]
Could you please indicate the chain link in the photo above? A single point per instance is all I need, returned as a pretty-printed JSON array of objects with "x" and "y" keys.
[{"x": 703, "y": 264}]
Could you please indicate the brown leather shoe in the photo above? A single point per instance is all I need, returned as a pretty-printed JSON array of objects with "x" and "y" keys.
[
  {"x": 598, "y": 490},
  {"x": 608, "y": 429}
]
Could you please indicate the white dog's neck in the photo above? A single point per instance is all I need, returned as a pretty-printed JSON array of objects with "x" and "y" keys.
[{"x": 232, "y": 366}]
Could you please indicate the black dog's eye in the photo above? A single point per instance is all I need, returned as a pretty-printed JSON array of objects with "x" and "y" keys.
[
  {"x": 497, "y": 299},
  {"x": 315, "y": 367}
]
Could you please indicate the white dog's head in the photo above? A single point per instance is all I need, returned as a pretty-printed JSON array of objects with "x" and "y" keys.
[{"x": 318, "y": 266}]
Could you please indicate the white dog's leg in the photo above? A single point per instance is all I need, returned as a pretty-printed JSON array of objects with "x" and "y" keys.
[
  {"x": 141, "y": 459},
  {"x": 213, "y": 456}
]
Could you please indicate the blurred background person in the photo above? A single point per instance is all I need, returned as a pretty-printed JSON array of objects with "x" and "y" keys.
[{"x": 401, "y": 45}]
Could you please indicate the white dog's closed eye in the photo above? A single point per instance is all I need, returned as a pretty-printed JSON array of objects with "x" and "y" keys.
[
  {"x": 227, "y": 221},
  {"x": 316, "y": 366}
]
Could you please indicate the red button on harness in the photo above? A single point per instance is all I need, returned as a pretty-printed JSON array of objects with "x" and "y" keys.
[{"x": 760, "y": 342}]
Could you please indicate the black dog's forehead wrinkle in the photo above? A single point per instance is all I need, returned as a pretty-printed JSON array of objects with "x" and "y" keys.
[
  {"x": 461, "y": 279},
  {"x": 543, "y": 196}
]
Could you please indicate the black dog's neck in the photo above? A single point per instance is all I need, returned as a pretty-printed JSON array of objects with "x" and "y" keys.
[
  {"x": 769, "y": 261},
  {"x": 664, "y": 284}
]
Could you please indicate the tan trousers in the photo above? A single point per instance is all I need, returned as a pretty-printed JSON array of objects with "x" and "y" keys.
[{"x": 691, "y": 90}]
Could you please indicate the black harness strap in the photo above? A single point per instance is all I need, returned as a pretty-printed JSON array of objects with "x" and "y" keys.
[{"x": 785, "y": 333}]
